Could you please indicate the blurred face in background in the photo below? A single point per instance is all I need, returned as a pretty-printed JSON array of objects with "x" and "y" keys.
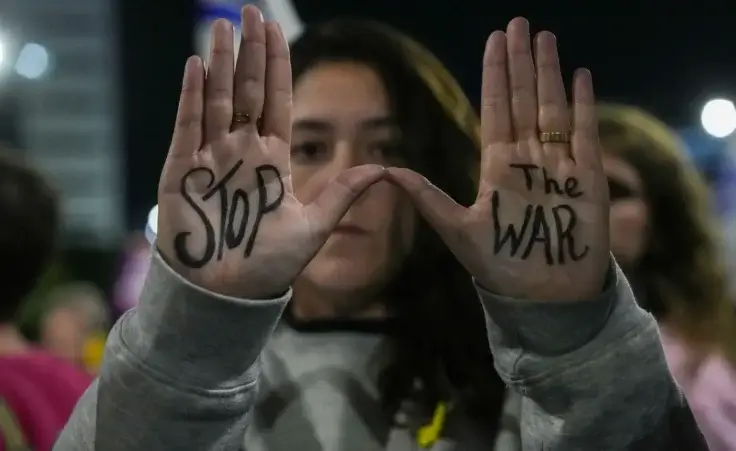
[
  {"x": 63, "y": 334},
  {"x": 342, "y": 119},
  {"x": 629, "y": 212}
]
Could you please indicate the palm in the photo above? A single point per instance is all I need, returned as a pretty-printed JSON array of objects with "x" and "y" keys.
[
  {"x": 539, "y": 230},
  {"x": 228, "y": 219},
  {"x": 230, "y": 251},
  {"x": 539, "y": 226}
]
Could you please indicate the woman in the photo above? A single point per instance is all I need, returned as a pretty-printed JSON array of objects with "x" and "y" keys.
[
  {"x": 364, "y": 93},
  {"x": 663, "y": 236},
  {"x": 335, "y": 223}
]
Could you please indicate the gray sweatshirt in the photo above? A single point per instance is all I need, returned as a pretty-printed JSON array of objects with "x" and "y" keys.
[{"x": 190, "y": 370}]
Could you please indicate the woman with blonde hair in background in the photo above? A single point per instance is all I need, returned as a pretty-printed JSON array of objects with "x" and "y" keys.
[{"x": 664, "y": 237}]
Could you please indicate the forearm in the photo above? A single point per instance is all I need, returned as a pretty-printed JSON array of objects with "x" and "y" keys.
[
  {"x": 592, "y": 373},
  {"x": 179, "y": 372}
]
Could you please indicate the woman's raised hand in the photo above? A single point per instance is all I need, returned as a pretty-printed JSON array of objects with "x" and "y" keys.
[
  {"x": 228, "y": 219},
  {"x": 539, "y": 226}
]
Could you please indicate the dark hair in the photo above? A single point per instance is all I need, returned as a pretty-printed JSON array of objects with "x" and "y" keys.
[
  {"x": 680, "y": 276},
  {"x": 29, "y": 219},
  {"x": 442, "y": 353}
]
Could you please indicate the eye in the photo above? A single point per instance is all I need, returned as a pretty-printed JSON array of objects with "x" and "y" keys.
[
  {"x": 309, "y": 151},
  {"x": 387, "y": 151}
]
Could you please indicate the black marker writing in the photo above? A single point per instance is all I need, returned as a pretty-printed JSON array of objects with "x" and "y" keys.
[
  {"x": 565, "y": 240},
  {"x": 569, "y": 188},
  {"x": 535, "y": 228},
  {"x": 510, "y": 235},
  {"x": 232, "y": 232},
  {"x": 540, "y": 235}
]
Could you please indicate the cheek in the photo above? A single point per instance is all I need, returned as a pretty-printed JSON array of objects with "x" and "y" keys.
[{"x": 628, "y": 221}]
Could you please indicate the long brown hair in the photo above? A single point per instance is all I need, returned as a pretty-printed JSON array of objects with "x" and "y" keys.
[{"x": 681, "y": 272}]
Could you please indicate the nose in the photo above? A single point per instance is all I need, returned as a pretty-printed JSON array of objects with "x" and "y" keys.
[
  {"x": 312, "y": 179},
  {"x": 347, "y": 156}
]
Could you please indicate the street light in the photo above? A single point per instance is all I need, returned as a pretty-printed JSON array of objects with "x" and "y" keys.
[
  {"x": 32, "y": 62},
  {"x": 718, "y": 117}
]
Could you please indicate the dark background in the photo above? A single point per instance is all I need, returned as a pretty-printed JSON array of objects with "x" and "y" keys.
[{"x": 668, "y": 63}]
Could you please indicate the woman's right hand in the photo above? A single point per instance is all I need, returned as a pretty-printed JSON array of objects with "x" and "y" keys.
[{"x": 228, "y": 219}]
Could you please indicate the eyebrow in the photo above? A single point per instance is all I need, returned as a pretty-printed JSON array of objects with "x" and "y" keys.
[{"x": 321, "y": 125}]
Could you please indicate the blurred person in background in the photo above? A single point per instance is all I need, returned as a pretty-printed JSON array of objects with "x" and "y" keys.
[
  {"x": 383, "y": 345},
  {"x": 75, "y": 324},
  {"x": 37, "y": 390},
  {"x": 663, "y": 234}
]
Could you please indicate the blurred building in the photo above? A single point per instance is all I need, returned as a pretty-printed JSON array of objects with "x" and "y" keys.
[{"x": 59, "y": 67}]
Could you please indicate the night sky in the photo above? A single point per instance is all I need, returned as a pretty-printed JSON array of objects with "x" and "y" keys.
[{"x": 667, "y": 64}]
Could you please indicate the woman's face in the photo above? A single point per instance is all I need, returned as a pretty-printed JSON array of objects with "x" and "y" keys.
[
  {"x": 342, "y": 119},
  {"x": 62, "y": 334},
  {"x": 629, "y": 212}
]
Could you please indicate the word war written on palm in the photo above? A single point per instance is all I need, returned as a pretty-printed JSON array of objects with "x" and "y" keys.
[
  {"x": 236, "y": 212},
  {"x": 558, "y": 242}
]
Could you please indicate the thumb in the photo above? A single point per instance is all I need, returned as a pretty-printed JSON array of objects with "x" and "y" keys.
[
  {"x": 326, "y": 211},
  {"x": 439, "y": 209}
]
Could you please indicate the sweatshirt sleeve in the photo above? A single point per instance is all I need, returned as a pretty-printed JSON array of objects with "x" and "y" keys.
[
  {"x": 592, "y": 374},
  {"x": 179, "y": 372}
]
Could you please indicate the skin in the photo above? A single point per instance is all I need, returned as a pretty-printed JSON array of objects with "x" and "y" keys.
[
  {"x": 335, "y": 105},
  {"x": 629, "y": 213},
  {"x": 341, "y": 119},
  {"x": 62, "y": 334}
]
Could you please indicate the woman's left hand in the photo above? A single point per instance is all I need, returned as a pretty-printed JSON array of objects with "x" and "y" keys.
[{"x": 539, "y": 226}]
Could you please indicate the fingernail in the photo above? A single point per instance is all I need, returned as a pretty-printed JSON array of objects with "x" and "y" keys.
[
  {"x": 259, "y": 16},
  {"x": 194, "y": 62}
]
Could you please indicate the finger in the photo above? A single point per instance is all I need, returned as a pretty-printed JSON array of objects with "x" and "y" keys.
[
  {"x": 187, "y": 137},
  {"x": 277, "y": 108},
  {"x": 439, "y": 209},
  {"x": 551, "y": 96},
  {"x": 585, "y": 144},
  {"x": 326, "y": 211},
  {"x": 250, "y": 68},
  {"x": 495, "y": 114},
  {"x": 219, "y": 82},
  {"x": 522, "y": 79}
]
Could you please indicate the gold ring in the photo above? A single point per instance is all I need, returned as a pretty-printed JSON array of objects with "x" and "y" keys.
[
  {"x": 241, "y": 118},
  {"x": 244, "y": 119},
  {"x": 554, "y": 137}
]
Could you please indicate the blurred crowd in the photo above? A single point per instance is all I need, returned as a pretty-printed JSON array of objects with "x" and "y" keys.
[{"x": 663, "y": 233}]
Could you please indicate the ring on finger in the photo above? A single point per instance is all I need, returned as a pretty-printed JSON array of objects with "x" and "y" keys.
[
  {"x": 554, "y": 137},
  {"x": 243, "y": 118}
]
